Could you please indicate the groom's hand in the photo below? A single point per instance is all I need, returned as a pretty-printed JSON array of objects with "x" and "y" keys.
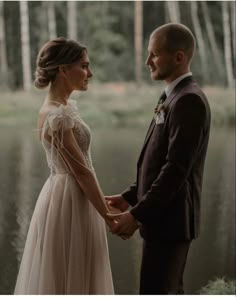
[
  {"x": 126, "y": 225},
  {"x": 117, "y": 201},
  {"x": 111, "y": 222}
]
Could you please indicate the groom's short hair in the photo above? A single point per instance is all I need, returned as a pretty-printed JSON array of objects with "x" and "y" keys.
[{"x": 176, "y": 37}]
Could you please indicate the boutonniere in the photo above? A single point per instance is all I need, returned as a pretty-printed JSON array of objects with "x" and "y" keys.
[{"x": 159, "y": 113}]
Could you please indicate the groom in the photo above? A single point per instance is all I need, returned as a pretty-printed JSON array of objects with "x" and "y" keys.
[{"x": 165, "y": 198}]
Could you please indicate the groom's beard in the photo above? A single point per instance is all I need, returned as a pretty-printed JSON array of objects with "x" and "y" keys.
[{"x": 163, "y": 73}]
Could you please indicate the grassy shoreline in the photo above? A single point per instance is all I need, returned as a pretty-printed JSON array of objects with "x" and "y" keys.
[
  {"x": 219, "y": 286},
  {"x": 114, "y": 104}
]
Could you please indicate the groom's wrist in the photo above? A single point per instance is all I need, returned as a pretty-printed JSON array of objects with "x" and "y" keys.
[{"x": 139, "y": 224}]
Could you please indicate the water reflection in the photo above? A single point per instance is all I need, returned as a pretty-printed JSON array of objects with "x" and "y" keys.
[
  {"x": 24, "y": 170},
  {"x": 114, "y": 158},
  {"x": 213, "y": 254}
]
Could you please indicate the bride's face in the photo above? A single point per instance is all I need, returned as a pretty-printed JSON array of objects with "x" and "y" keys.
[{"x": 78, "y": 74}]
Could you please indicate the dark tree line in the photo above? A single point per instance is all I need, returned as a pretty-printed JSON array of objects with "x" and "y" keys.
[{"x": 116, "y": 34}]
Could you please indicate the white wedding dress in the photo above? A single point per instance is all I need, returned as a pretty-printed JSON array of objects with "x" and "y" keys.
[{"x": 66, "y": 249}]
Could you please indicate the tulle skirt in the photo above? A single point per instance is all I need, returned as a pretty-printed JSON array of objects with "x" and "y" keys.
[{"x": 66, "y": 248}]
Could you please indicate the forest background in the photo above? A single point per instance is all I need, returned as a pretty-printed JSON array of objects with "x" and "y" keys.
[
  {"x": 116, "y": 34},
  {"x": 118, "y": 107}
]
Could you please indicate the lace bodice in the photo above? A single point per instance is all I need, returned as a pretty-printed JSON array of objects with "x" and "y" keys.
[{"x": 61, "y": 119}]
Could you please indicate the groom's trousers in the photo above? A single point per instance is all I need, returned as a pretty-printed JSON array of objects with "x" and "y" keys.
[{"x": 163, "y": 266}]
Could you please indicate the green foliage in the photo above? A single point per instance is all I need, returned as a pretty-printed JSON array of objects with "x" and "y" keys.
[
  {"x": 107, "y": 29},
  {"x": 222, "y": 103},
  {"x": 219, "y": 286},
  {"x": 108, "y": 48},
  {"x": 113, "y": 104}
]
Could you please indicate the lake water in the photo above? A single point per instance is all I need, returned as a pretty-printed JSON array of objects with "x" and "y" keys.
[{"x": 23, "y": 170}]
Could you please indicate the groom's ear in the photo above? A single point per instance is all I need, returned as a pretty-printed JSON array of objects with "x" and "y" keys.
[{"x": 180, "y": 57}]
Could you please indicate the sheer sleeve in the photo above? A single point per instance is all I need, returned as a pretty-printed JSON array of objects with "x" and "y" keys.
[
  {"x": 74, "y": 159},
  {"x": 59, "y": 128},
  {"x": 61, "y": 119},
  {"x": 60, "y": 122}
]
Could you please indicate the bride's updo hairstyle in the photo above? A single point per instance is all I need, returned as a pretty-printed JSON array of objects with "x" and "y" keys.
[{"x": 54, "y": 53}]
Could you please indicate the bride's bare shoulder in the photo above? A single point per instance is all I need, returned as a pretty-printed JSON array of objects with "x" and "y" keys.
[{"x": 45, "y": 110}]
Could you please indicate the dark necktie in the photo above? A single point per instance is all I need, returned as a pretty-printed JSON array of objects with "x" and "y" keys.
[{"x": 160, "y": 101}]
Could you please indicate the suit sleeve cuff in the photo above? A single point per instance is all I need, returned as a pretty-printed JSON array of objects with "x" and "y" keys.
[
  {"x": 137, "y": 215},
  {"x": 129, "y": 198}
]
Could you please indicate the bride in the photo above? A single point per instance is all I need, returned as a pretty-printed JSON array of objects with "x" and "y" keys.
[{"x": 66, "y": 248}]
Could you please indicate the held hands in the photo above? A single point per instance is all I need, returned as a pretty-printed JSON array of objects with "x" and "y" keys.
[
  {"x": 124, "y": 222},
  {"x": 114, "y": 209},
  {"x": 125, "y": 225},
  {"x": 118, "y": 202}
]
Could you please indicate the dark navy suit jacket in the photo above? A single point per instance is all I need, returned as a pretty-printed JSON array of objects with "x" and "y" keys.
[{"x": 166, "y": 196}]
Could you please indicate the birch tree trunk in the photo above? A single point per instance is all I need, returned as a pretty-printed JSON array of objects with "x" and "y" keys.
[
  {"x": 173, "y": 10},
  {"x": 199, "y": 38},
  {"x": 71, "y": 20},
  {"x": 3, "y": 56},
  {"x": 52, "y": 32},
  {"x": 211, "y": 35},
  {"x": 25, "y": 45},
  {"x": 138, "y": 39},
  {"x": 233, "y": 25},
  {"x": 227, "y": 45}
]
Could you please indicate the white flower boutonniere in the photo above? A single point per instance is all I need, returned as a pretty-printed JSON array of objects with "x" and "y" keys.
[{"x": 159, "y": 114}]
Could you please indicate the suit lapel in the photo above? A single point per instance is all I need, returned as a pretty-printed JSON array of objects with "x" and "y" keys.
[
  {"x": 149, "y": 132},
  {"x": 175, "y": 92},
  {"x": 152, "y": 125},
  {"x": 148, "y": 135}
]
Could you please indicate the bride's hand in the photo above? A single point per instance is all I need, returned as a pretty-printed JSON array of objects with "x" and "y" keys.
[{"x": 112, "y": 209}]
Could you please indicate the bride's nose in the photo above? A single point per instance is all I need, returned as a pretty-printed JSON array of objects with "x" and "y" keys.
[{"x": 90, "y": 74}]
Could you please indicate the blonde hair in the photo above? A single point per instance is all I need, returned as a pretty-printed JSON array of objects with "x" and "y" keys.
[{"x": 54, "y": 53}]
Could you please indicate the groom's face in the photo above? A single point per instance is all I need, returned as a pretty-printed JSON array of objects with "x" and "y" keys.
[{"x": 160, "y": 62}]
